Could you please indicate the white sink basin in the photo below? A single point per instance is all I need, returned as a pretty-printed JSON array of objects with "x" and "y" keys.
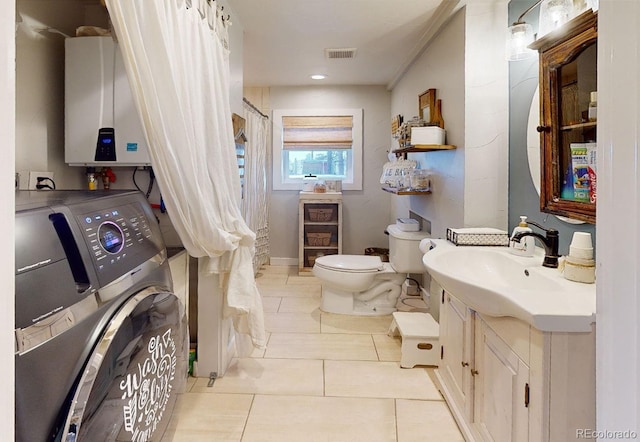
[{"x": 494, "y": 282}]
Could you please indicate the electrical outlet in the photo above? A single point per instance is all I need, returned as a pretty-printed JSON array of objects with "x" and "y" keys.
[{"x": 33, "y": 179}]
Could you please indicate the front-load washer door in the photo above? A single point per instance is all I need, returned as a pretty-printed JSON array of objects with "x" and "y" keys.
[{"x": 130, "y": 383}]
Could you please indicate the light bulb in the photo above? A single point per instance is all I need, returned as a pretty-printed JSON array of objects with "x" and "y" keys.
[
  {"x": 553, "y": 14},
  {"x": 519, "y": 37}
]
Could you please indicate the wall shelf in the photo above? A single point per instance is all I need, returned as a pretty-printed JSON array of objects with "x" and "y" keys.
[
  {"x": 579, "y": 125},
  {"x": 422, "y": 148},
  {"x": 396, "y": 191}
]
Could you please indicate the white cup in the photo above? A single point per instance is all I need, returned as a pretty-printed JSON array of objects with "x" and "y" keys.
[
  {"x": 580, "y": 246},
  {"x": 581, "y": 253},
  {"x": 582, "y": 240}
]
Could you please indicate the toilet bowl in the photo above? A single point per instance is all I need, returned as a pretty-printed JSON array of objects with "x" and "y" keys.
[{"x": 364, "y": 285}]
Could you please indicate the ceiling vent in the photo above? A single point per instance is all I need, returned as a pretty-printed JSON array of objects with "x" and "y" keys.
[{"x": 340, "y": 53}]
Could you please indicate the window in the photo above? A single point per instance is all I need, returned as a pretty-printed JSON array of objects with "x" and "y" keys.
[{"x": 325, "y": 143}]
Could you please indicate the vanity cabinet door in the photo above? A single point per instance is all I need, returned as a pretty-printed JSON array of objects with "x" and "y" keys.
[
  {"x": 501, "y": 384},
  {"x": 456, "y": 337}
]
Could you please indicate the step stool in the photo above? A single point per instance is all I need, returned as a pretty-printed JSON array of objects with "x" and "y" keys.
[{"x": 420, "y": 338}]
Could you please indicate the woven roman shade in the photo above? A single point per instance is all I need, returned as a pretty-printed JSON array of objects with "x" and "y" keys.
[{"x": 317, "y": 132}]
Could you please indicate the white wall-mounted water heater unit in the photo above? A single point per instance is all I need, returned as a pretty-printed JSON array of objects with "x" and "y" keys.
[{"x": 102, "y": 126}]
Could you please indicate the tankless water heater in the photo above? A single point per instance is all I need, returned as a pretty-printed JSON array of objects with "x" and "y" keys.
[{"x": 102, "y": 126}]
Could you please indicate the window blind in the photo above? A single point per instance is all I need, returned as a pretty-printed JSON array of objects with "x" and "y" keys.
[{"x": 317, "y": 132}]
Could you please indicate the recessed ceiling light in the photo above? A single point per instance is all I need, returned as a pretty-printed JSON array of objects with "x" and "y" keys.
[{"x": 318, "y": 76}]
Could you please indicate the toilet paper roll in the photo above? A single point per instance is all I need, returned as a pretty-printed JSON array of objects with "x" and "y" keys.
[{"x": 425, "y": 245}]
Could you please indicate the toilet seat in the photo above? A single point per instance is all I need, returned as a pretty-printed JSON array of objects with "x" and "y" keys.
[{"x": 350, "y": 263}]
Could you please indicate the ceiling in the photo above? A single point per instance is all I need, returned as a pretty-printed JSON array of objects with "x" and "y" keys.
[{"x": 285, "y": 40}]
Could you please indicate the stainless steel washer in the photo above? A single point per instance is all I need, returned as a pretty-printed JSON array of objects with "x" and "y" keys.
[{"x": 101, "y": 341}]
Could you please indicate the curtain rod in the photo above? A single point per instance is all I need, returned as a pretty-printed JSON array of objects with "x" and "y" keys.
[{"x": 248, "y": 103}]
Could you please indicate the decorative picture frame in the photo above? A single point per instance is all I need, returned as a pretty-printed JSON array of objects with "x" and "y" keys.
[{"x": 427, "y": 105}]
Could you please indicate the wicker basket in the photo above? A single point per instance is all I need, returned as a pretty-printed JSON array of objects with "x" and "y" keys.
[
  {"x": 320, "y": 215},
  {"x": 319, "y": 238}
]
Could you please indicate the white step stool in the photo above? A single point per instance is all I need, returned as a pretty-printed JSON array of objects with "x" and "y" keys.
[{"x": 420, "y": 338}]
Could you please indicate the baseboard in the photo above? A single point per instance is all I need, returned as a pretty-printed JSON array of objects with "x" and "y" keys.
[
  {"x": 432, "y": 303},
  {"x": 426, "y": 296},
  {"x": 283, "y": 261}
]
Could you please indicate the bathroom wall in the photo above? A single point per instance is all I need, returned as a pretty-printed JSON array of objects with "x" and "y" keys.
[
  {"x": 523, "y": 197},
  {"x": 618, "y": 285},
  {"x": 440, "y": 66},
  {"x": 7, "y": 269},
  {"x": 40, "y": 95},
  {"x": 40, "y": 88},
  {"x": 465, "y": 64},
  {"x": 366, "y": 213}
]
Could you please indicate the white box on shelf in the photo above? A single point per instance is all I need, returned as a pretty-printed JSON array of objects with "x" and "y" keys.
[{"x": 427, "y": 135}]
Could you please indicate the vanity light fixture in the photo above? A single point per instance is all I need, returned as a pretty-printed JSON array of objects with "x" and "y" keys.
[
  {"x": 553, "y": 14},
  {"x": 318, "y": 76},
  {"x": 520, "y": 36}
]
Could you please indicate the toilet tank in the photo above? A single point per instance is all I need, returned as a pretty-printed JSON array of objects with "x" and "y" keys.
[{"x": 404, "y": 252}]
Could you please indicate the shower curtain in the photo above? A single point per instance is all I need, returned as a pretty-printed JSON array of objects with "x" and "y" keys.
[
  {"x": 256, "y": 198},
  {"x": 176, "y": 57}
]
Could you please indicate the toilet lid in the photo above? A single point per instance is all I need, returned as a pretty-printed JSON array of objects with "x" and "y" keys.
[{"x": 350, "y": 263}]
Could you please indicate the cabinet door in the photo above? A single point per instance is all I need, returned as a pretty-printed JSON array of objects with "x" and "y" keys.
[
  {"x": 568, "y": 91},
  {"x": 500, "y": 404},
  {"x": 456, "y": 337}
]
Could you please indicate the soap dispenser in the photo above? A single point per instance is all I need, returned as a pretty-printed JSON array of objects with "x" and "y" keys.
[{"x": 527, "y": 244}]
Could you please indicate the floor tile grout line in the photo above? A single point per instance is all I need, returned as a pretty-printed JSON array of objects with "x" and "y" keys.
[
  {"x": 323, "y": 395},
  {"x": 246, "y": 420},
  {"x": 324, "y": 378},
  {"x": 375, "y": 347},
  {"x": 395, "y": 415}
]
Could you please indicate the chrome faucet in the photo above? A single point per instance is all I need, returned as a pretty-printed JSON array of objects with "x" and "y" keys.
[{"x": 550, "y": 242}]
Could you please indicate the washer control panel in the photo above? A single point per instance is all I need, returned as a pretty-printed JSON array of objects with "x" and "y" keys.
[{"x": 118, "y": 238}]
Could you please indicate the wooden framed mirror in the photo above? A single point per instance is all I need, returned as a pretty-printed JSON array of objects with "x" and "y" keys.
[{"x": 427, "y": 105}]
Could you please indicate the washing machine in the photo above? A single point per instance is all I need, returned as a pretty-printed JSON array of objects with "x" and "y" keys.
[{"x": 101, "y": 341}]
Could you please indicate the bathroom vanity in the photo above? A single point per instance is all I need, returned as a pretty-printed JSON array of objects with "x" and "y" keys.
[{"x": 523, "y": 372}]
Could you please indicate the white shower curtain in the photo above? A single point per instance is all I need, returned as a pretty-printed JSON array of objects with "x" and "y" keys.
[
  {"x": 256, "y": 198},
  {"x": 176, "y": 56}
]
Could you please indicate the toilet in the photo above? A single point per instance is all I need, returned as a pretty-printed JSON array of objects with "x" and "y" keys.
[{"x": 364, "y": 285}]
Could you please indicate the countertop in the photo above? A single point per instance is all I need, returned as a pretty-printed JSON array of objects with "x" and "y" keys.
[{"x": 567, "y": 307}]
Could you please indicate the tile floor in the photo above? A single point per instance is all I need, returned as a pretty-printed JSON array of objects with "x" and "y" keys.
[{"x": 323, "y": 377}]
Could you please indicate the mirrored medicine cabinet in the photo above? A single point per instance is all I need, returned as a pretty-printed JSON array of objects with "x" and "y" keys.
[{"x": 568, "y": 118}]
